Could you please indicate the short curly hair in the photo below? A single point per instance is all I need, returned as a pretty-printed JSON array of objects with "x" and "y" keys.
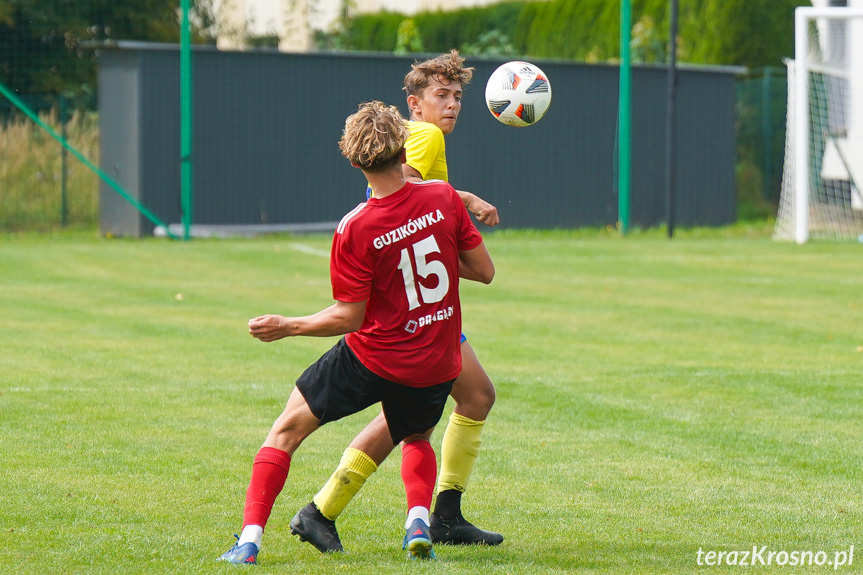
[
  {"x": 446, "y": 68},
  {"x": 374, "y": 137}
]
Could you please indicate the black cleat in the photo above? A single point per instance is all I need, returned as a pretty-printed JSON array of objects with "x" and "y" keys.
[
  {"x": 311, "y": 526},
  {"x": 459, "y": 531}
]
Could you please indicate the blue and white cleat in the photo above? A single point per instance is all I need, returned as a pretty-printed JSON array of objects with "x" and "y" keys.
[
  {"x": 418, "y": 541},
  {"x": 245, "y": 554}
]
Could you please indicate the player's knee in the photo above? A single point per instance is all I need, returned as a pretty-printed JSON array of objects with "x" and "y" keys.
[
  {"x": 475, "y": 401},
  {"x": 487, "y": 396},
  {"x": 290, "y": 429},
  {"x": 425, "y": 436}
]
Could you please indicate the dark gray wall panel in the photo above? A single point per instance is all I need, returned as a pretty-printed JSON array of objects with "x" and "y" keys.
[{"x": 266, "y": 127}]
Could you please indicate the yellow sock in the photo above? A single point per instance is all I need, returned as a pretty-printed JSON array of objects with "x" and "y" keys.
[
  {"x": 458, "y": 452},
  {"x": 354, "y": 468}
]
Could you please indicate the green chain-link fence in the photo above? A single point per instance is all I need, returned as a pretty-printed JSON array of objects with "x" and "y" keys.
[
  {"x": 41, "y": 185},
  {"x": 761, "y": 118},
  {"x": 48, "y": 54}
]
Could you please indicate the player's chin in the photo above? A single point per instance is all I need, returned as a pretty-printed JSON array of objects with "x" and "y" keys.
[{"x": 447, "y": 125}]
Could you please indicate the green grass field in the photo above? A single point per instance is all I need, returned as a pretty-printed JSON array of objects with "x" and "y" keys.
[{"x": 655, "y": 398}]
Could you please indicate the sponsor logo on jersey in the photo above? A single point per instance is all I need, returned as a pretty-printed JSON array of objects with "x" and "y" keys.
[{"x": 429, "y": 319}]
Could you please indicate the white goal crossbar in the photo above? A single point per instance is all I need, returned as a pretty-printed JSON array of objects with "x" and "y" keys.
[{"x": 802, "y": 16}]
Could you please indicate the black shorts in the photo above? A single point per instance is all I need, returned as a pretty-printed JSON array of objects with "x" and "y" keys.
[{"x": 338, "y": 385}]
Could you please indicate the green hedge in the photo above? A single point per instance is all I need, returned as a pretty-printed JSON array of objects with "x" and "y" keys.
[
  {"x": 751, "y": 33},
  {"x": 440, "y": 31}
]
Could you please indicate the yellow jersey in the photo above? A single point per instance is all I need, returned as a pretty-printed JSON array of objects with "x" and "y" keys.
[{"x": 426, "y": 152}]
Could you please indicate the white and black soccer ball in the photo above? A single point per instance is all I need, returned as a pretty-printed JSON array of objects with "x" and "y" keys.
[{"x": 518, "y": 93}]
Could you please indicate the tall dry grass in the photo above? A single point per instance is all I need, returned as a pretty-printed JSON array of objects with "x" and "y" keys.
[{"x": 31, "y": 174}]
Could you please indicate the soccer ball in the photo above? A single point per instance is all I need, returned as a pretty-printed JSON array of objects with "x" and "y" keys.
[{"x": 518, "y": 93}]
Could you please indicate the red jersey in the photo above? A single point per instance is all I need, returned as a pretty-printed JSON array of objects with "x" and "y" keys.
[{"x": 400, "y": 254}]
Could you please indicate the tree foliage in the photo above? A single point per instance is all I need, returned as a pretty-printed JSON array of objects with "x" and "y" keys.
[
  {"x": 408, "y": 39},
  {"x": 50, "y": 46}
]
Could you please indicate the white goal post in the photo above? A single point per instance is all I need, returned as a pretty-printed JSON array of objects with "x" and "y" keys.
[{"x": 827, "y": 68}]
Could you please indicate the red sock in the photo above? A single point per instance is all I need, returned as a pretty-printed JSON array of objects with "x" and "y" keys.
[
  {"x": 269, "y": 472},
  {"x": 419, "y": 470}
]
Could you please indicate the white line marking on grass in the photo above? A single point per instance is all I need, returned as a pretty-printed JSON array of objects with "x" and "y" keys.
[{"x": 310, "y": 250}]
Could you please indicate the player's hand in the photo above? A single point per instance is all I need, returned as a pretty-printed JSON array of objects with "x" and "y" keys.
[
  {"x": 484, "y": 211},
  {"x": 268, "y": 327}
]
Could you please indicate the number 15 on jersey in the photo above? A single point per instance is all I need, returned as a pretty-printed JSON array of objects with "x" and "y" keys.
[{"x": 425, "y": 268}]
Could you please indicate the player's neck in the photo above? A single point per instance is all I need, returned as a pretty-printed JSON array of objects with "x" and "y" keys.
[
  {"x": 418, "y": 118},
  {"x": 386, "y": 184},
  {"x": 415, "y": 118}
]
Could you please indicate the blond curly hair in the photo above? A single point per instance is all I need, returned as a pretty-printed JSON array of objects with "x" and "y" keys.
[
  {"x": 446, "y": 68},
  {"x": 374, "y": 137}
]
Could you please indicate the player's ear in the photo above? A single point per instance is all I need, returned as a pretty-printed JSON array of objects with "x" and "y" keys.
[
  {"x": 413, "y": 103},
  {"x": 403, "y": 156}
]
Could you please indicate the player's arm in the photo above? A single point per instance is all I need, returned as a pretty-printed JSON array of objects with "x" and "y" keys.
[
  {"x": 484, "y": 211},
  {"x": 476, "y": 265},
  {"x": 411, "y": 174},
  {"x": 338, "y": 319}
]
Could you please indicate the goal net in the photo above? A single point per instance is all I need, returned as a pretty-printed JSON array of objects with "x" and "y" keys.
[{"x": 822, "y": 181}]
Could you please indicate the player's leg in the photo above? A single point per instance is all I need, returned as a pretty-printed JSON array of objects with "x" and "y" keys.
[
  {"x": 409, "y": 409},
  {"x": 474, "y": 395},
  {"x": 269, "y": 473},
  {"x": 335, "y": 386},
  {"x": 315, "y": 523},
  {"x": 352, "y": 387},
  {"x": 419, "y": 468},
  {"x": 362, "y": 458}
]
